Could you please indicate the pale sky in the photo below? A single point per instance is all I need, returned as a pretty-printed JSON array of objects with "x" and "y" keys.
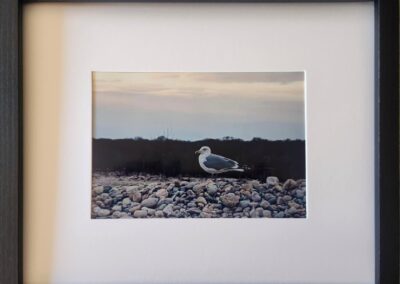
[{"x": 195, "y": 106}]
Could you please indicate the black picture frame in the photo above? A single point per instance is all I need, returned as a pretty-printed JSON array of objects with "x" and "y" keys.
[{"x": 386, "y": 136}]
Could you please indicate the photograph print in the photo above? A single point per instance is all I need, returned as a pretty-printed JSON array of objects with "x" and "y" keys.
[{"x": 198, "y": 145}]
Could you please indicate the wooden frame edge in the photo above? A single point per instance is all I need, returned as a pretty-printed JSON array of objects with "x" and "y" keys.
[
  {"x": 386, "y": 136},
  {"x": 10, "y": 145},
  {"x": 386, "y": 141}
]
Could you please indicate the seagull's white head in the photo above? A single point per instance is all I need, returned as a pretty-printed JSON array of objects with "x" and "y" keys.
[{"x": 204, "y": 150}]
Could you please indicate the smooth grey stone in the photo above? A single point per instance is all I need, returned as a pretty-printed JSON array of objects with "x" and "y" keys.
[
  {"x": 198, "y": 188},
  {"x": 168, "y": 210},
  {"x": 267, "y": 214},
  {"x": 230, "y": 199},
  {"x": 98, "y": 190},
  {"x": 238, "y": 209},
  {"x": 132, "y": 188},
  {"x": 212, "y": 188},
  {"x": 255, "y": 196},
  {"x": 291, "y": 210},
  {"x": 150, "y": 202},
  {"x": 124, "y": 215},
  {"x": 287, "y": 198},
  {"x": 273, "y": 207},
  {"x": 201, "y": 200},
  {"x": 289, "y": 184},
  {"x": 162, "y": 193},
  {"x": 300, "y": 193},
  {"x": 191, "y": 194},
  {"x": 244, "y": 203},
  {"x": 108, "y": 202},
  {"x": 134, "y": 208},
  {"x": 217, "y": 206},
  {"x": 103, "y": 212},
  {"x": 257, "y": 213},
  {"x": 191, "y": 184},
  {"x": 264, "y": 204},
  {"x": 104, "y": 196},
  {"x": 126, "y": 202},
  {"x": 269, "y": 196},
  {"x": 162, "y": 206},
  {"x": 116, "y": 208},
  {"x": 140, "y": 214},
  {"x": 165, "y": 201},
  {"x": 150, "y": 211},
  {"x": 194, "y": 211},
  {"x": 135, "y": 195},
  {"x": 272, "y": 181},
  {"x": 191, "y": 204},
  {"x": 226, "y": 209}
]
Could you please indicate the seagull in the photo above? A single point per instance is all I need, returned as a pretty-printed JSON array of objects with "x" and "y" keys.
[{"x": 215, "y": 164}]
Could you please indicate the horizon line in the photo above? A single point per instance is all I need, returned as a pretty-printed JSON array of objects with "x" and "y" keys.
[{"x": 228, "y": 138}]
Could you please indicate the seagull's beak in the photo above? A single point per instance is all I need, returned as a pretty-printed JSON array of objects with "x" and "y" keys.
[{"x": 197, "y": 152}]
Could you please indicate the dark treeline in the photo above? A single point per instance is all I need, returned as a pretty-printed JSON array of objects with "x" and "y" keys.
[{"x": 284, "y": 159}]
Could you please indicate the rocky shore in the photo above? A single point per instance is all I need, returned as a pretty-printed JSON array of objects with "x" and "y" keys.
[{"x": 149, "y": 196}]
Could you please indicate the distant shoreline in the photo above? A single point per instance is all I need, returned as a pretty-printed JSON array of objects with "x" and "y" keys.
[{"x": 262, "y": 158}]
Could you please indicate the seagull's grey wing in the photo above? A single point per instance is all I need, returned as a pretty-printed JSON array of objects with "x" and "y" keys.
[{"x": 219, "y": 163}]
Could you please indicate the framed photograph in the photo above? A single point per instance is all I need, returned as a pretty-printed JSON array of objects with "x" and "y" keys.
[
  {"x": 149, "y": 127},
  {"x": 199, "y": 142}
]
